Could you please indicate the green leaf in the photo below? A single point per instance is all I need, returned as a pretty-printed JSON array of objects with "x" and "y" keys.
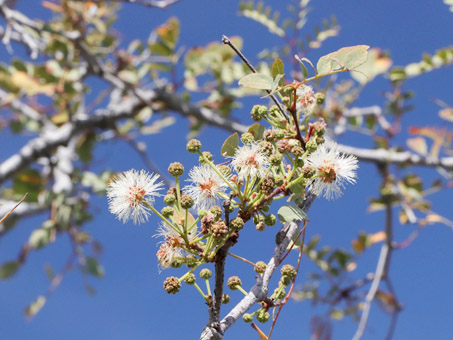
[
  {"x": 8, "y": 269},
  {"x": 257, "y": 81},
  {"x": 257, "y": 130},
  {"x": 93, "y": 267},
  {"x": 278, "y": 69},
  {"x": 303, "y": 68},
  {"x": 39, "y": 238},
  {"x": 289, "y": 213},
  {"x": 230, "y": 145},
  {"x": 35, "y": 306},
  {"x": 347, "y": 58},
  {"x": 28, "y": 181}
]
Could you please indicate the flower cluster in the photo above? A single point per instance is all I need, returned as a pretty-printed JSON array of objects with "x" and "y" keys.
[{"x": 218, "y": 200}]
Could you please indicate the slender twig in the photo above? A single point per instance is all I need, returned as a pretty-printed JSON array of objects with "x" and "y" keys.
[
  {"x": 383, "y": 262},
  {"x": 228, "y": 42},
  {"x": 4, "y": 217}
]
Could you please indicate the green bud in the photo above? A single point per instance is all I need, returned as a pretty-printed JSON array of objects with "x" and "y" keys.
[
  {"x": 237, "y": 224},
  {"x": 206, "y": 155},
  {"x": 270, "y": 220},
  {"x": 260, "y": 267},
  {"x": 170, "y": 199},
  {"x": 186, "y": 201},
  {"x": 176, "y": 169},
  {"x": 202, "y": 213},
  {"x": 205, "y": 274},
  {"x": 279, "y": 293},
  {"x": 247, "y": 138},
  {"x": 247, "y": 317},
  {"x": 262, "y": 316},
  {"x": 258, "y": 112},
  {"x": 190, "y": 279},
  {"x": 311, "y": 146},
  {"x": 289, "y": 271},
  {"x": 234, "y": 282},
  {"x": 193, "y": 146},
  {"x": 225, "y": 299},
  {"x": 320, "y": 98},
  {"x": 167, "y": 212},
  {"x": 172, "y": 285}
]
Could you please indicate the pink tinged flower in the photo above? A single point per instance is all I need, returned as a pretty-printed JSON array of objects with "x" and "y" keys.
[
  {"x": 333, "y": 169},
  {"x": 249, "y": 161},
  {"x": 206, "y": 186},
  {"x": 170, "y": 248},
  {"x": 130, "y": 193},
  {"x": 305, "y": 98}
]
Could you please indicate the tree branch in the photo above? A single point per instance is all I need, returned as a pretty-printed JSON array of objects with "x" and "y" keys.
[{"x": 259, "y": 291}]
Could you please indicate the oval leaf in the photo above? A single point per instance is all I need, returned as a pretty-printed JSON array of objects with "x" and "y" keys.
[
  {"x": 347, "y": 58},
  {"x": 8, "y": 269},
  {"x": 278, "y": 69},
  {"x": 257, "y": 81},
  {"x": 257, "y": 130},
  {"x": 289, "y": 213},
  {"x": 35, "y": 306},
  {"x": 230, "y": 145}
]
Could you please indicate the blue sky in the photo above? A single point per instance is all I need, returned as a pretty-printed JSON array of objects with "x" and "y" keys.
[{"x": 130, "y": 303}]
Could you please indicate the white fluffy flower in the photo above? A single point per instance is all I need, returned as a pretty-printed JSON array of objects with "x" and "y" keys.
[
  {"x": 305, "y": 98},
  {"x": 206, "y": 186},
  {"x": 333, "y": 169},
  {"x": 250, "y": 161},
  {"x": 170, "y": 248},
  {"x": 130, "y": 192}
]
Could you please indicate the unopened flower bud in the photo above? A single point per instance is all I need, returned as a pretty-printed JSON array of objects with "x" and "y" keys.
[
  {"x": 279, "y": 134},
  {"x": 176, "y": 263},
  {"x": 269, "y": 135},
  {"x": 190, "y": 279},
  {"x": 320, "y": 140},
  {"x": 320, "y": 98},
  {"x": 289, "y": 271},
  {"x": 205, "y": 274},
  {"x": 219, "y": 229},
  {"x": 311, "y": 146},
  {"x": 260, "y": 267},
  {"x": 270, "y": 220},
  {"x": 237, "y": 224},
  {"x": 234, "y": 282},
  {"x": 216, "y": 211},
  {"x": 262, "y": 316},
  {"x": 247, "y": 317},
  {"x": 258, "y": 112},
  {"x": 172, "y": 285},
  {"x": 170, "y": 199},
  {"x": 225, "y": 298},
  {"x": 285, "y": 281},
  {"x": 267, "y": 185},
  {"x": 176, "y": 169},
  {"x": 207, "y": 155},
  {"x": 266, "y": 148},
  {"x": 297, "y": 151},
  {"x": 202, "y": 213},
  {"x": 274, "y": 111},
  {"x": 247, "y": 138},
  {"x": 167, "y": 211},
  {"x": 275, "y": 159},
  {"x": 261, "y": 226},
  {"x": 279, "y": 293},
  {"x": 308, "y": 171},
  {"x": 193, "y": 146},
  {"x": 187, "y": 201}
]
